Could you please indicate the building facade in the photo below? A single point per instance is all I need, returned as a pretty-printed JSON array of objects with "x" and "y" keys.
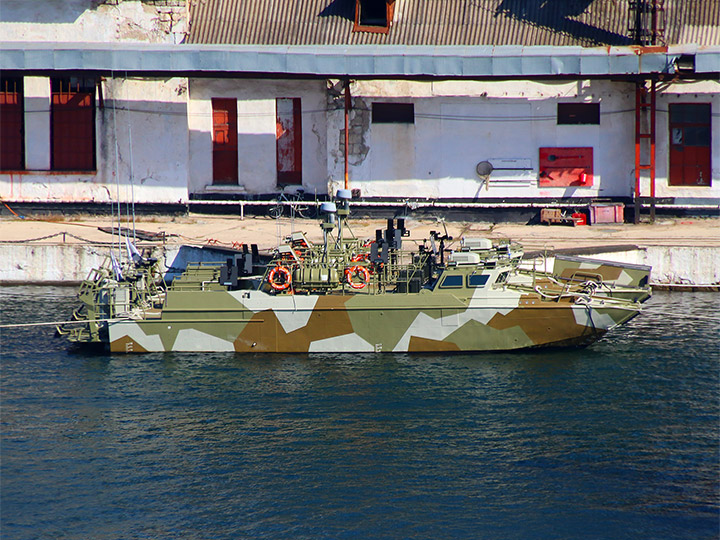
[{"x": 181, "y": 132}]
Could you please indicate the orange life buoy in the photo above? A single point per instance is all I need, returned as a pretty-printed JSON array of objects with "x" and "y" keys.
[
  {"x": 357, "y": 271},
  {"x": 286, "y": 278},
  {"x": 359, "y": 257}
]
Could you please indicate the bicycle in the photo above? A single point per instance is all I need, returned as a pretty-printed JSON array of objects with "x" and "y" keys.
[{"x": 297, "y": 204}]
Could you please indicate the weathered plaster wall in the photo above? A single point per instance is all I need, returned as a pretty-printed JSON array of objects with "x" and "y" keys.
[
  {"x": 148, "y": 119},
  {"x": 257, "y": 132},
  {"x": 458, "y": 124},
  {"x": 88, "y": 21}
]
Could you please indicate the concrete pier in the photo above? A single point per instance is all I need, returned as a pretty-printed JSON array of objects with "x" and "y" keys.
[{"x": 684, "y": 255}]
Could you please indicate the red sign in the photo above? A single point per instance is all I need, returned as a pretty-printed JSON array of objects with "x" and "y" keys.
[{"x": 561, "y": 167}]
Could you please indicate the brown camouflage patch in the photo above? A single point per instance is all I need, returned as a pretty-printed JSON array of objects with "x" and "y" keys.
[
  {"x": 126, "y": 344},
  {"x": 419, "y": 344},
  {"x": 542, "y": 324},
  {"x": 608, "y": 273},
  {"x": 328, "y": 319}
]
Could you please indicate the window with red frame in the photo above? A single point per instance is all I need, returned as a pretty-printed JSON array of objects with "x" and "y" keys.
[
  {"x": 12, "y": 144},
  {"x": 72, "y": 124},
  {"x": 373, "y": 15}
]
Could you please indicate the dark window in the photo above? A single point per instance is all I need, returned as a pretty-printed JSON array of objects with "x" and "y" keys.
[
  {"x": 477, "y": 280},
  {"x": 451, "y": 281},
  {"x": 72, "y": 125},
  {"x": 12, "y": 147},
  {"x": 578, "y": 113},
  {"x": 393, "y": 113},
  {"x": 373, "y": 15},
  {"x": 690, "y": 144}
]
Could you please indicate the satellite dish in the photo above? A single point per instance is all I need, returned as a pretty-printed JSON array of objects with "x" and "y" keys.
[{"x": 484, "y": 168}]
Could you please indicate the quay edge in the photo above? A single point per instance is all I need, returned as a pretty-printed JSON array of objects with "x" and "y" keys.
[{"x": 681, "y": 268}]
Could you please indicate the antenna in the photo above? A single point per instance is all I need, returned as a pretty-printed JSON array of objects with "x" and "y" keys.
[
  {"x": 328, "y": 224},
  {"x": 342, "y": 199}
]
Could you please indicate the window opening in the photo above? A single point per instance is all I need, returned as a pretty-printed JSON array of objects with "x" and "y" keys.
[
  {"x": 225, "y": 141},
  {"x": 373, "y": 15},
  {"x": 578, "y": 113},
  {"x": 72, "y": 124},
  {"x": 393, "y": 113},
  {"x": 12, "y": 143}
]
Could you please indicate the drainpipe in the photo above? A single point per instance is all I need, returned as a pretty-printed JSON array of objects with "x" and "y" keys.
[{"x": 347, "y": 136}]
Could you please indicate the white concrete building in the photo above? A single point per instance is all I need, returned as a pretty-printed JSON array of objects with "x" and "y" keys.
[{"x": 178, "y": 122}]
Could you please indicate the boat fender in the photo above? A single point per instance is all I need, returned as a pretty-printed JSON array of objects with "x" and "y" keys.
[
  {"x": 357, "y": 271},
  {"x": 277, "y": 283}
]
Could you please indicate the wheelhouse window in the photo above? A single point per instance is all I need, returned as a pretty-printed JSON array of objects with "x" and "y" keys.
[
  {"x": 12, "y": 144},
  {"x": 578, "y": 113},
  {"x": 477, "y": 280},
  {"x": 373, "y": 15},
  {"x": 72, "y": 124},
  {"x": 452, "y": 281}
]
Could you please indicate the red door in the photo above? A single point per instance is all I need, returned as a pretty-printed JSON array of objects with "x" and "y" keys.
[
  {"x": 225, "y": 146},
  {"x": 11, "y": 124},
  {"x": 73, "y": 124},
  {"x": 288, "y": 135},
  {"x": 690, "y": 144}
]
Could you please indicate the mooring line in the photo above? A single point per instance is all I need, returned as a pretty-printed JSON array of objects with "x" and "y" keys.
[{"x": 56, "y": 323}]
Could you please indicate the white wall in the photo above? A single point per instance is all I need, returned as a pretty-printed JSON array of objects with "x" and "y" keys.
[
  {"x": 458, "y": 124},
  {"x": 256, "y": 132},
  {"x": 36, "y": 106}
]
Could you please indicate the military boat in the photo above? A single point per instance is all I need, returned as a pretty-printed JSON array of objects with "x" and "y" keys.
[{"x": 387, "y": 294}]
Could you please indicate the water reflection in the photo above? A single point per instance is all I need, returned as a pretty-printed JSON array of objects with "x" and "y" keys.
[{"x": 618, "y": 437}]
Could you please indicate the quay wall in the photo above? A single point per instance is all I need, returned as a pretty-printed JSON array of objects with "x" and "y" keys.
[{"x": 673, "y": 266}]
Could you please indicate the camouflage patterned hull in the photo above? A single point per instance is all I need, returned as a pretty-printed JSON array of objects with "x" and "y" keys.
[
  {"x": 254, "y": 321},
  {"x": 350, "y": 295}
]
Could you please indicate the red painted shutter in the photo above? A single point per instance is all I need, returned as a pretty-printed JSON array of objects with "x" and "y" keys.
[
  {"x": 288, "y": 136},
  {"x": 72, "y": 127},
  {"x": 11, "y": 125},
  {"x": 225, "y": 145}
]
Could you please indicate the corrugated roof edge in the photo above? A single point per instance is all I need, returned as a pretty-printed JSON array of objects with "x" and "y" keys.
[{"x": 361, "y": 60}]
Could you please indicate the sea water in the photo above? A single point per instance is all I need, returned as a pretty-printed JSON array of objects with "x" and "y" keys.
[{"x": 617, "y": 440}]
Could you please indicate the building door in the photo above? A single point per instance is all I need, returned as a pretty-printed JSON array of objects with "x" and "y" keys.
[
  {"x": 690, "y": 144},
  {"x": 11, "y": 124},
  {"x": 288, "y": 135},
  {"x": 225, "y": 145},
  {"x": 72, "y": 124}
]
